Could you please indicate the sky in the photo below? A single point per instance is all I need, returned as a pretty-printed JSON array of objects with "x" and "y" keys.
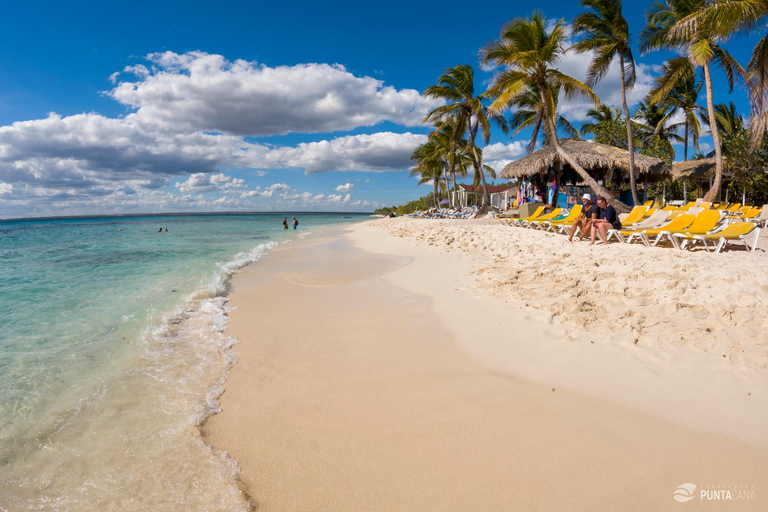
[{"x": 151, "y": 107}]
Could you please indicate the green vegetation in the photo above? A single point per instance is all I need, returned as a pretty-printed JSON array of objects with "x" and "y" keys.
[{"x": 528, "y": 83}]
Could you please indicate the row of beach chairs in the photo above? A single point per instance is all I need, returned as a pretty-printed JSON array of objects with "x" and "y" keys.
[
  {"x": 445, "y": 213},
  {"x": 714, "y": 226}
]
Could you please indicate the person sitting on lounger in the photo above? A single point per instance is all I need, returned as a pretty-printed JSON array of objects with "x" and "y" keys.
[
  {"x": 606, "y": 221},
  {"x": 589, "y": 213}
]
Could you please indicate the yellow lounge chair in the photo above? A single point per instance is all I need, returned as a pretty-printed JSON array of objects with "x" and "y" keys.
[
  {"x": 634, "y": 216},
  {"x": 536, "y": 222},
  {"x": 654, "y": 221},
  {"x": 705, "y": 204},
  {"x": 679, "y": 223},
  {"x": 733, "y": 208},
  {"x": 552, "y": 225},
  {"x": 687, "y": 207},
  {"x": 704, "y": 223},
  {"x": 538, "y": 212},
  {"x": 739, "y": 231},
  {"x": 648, "y": 204},
  {"x": 750, "y": 214}
]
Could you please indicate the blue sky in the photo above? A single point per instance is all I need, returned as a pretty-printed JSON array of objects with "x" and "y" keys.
[{"x": 205, "y": 106}]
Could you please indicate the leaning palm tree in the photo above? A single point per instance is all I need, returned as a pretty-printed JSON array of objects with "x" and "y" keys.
[
  {"x": 530, "y": 55},
  {"x": 530, "y": 114},
  {"x": 664, "y": 31},
  {"x": 607, "y": 35},
  {"x": 465, "y": 110},
  {"x": 684, "y": 97}
]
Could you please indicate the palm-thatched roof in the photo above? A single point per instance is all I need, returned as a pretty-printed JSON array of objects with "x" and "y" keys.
[
  {"x": 592, "y": 156},
  {"x": 694, "y": 170}
]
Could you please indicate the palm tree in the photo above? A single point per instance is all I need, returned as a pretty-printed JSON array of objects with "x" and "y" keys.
[
  {"x": 607, "y": 35},
  {"x": 454, "y": 150},
  {"x": 465, "y": 110},
  {"x": 729, "y": 122},
  {"x": 655, "y": 130},
  {"x": 430, "y": 165},
  {"x": 725, "y": 19},
  {"x": 604, "y": 119},
  {"x": 684, "y": 97},
  {"x": 664, "y": 30},
  {"x": 530, "y": 55},
  {"x": 530, "y": 114}
]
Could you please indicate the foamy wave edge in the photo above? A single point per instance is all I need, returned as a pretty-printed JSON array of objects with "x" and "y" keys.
[{"x": 209, "y": 306}]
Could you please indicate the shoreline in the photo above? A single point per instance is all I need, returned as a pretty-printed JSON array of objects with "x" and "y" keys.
[{"x": 371, "y": 376}]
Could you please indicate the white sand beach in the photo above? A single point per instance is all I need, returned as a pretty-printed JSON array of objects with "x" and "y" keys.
[{"x": 451, "y": 365}]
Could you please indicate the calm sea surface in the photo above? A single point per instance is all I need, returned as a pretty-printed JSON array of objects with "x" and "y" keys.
[{"x": 112, "y": 353}]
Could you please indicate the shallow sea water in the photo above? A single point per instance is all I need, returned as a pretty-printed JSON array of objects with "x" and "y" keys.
[{"x": 112, "y": 353}]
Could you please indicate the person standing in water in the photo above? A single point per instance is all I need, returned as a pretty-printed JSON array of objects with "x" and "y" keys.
[
  {"x": 295, "y": 223},
  {"x": 285, "y": 223}
]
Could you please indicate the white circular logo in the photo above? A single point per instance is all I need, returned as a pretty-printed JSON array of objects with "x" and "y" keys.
[{"x": 684, "y": 492}]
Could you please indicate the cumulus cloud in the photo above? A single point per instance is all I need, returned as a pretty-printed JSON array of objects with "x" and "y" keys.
[
  {"x": 498, "y": 155},
  {"x": 347, "y": 187},
  {"x": 383, "y": 151},
  {"x": 199, "y": 91},
  {"x": 200, "y": 183},
  {"x": 190, "y": 114}
]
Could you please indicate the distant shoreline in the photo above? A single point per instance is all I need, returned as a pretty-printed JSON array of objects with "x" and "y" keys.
[{"x": 176, "y": 214}]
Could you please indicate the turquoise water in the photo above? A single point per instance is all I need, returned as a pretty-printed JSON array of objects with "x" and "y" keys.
[{"x": 112, "y": 353}]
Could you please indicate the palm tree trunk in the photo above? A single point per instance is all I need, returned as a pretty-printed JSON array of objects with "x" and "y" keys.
[
  {"x": 685, "y": 148},
  {"x": 712, "y": 194},
  {"x": 600, "y": 190},
  {"x": 630, "y": 142},
  {"x": 478, "y": 164}
]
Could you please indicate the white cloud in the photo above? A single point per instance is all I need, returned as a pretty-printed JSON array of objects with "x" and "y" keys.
[
  {"x": 191, "y": 112},
  {"x": 608, "y": 89},
  {"x": 498, "y": 155},
  {"x": 347, "y": 187},
  {"x": 199, "y": 91},
  {"x": 378, "y": 152},
  {"x": 200, "y": 183}
]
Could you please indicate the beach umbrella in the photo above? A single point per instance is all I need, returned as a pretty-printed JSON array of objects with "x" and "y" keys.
[{"x": 444, "y": 201}]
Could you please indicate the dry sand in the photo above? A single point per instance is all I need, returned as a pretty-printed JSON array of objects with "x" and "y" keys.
[{"x": 380, "y": 373}]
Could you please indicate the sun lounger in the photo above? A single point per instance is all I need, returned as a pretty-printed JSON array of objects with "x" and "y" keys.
[
  {"x": 633, "y": 216},
  {"x": 553, "y": 225},
  {"x": 704, "y": 223},
  {"x": 654, "y": 221},
  {"x": 537, "y": 221},
  {"x": 679, "y": 223},
  {"x": 739, "y": 231},
  {"x": 536, "y": 214},
  {"x": 762, "y": 219},
  {"x": 750, "y": 214}
]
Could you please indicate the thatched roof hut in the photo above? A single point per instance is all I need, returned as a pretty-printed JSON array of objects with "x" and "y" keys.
[
  {"x": 694, "y": 170},
  {"x": 592, "y": 156}
]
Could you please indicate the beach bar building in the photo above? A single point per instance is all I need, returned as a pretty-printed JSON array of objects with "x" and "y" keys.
[
  {"x": 498, "y": 195},
  {"x": 608, "y": 165},
  {"x": 700, "y": 174}
]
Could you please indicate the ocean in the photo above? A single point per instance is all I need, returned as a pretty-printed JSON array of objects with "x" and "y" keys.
[{"x": 112, "y": 353}]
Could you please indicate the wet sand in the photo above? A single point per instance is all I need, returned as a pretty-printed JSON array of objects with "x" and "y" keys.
[{"x": 363, "y": 383}]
